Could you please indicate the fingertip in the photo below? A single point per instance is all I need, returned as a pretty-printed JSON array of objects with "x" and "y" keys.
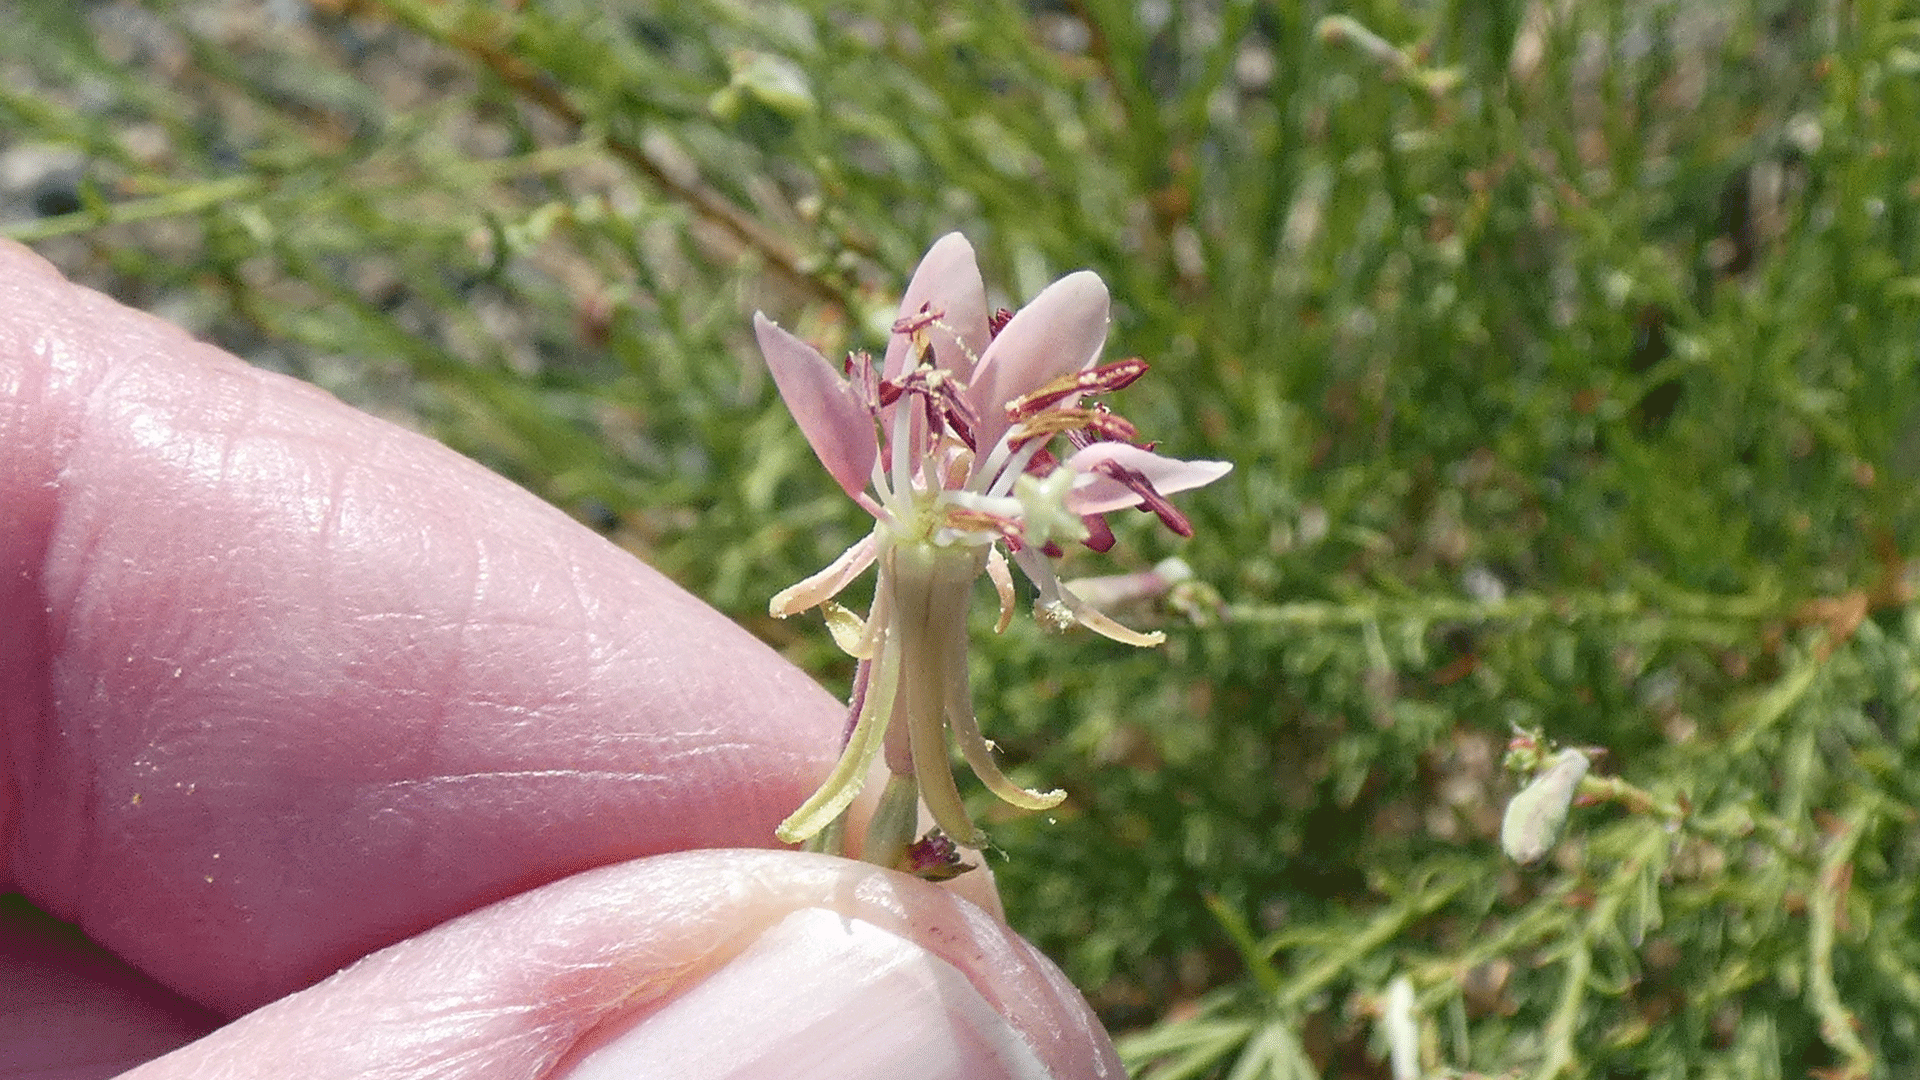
[
  {"x": 820, "y": 995},
  {"x": 701, "y": 964}
]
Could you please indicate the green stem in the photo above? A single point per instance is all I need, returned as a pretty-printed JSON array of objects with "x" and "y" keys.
[
  {"x": 1384, "y": 927},
  {"x": 1566, "y": 1015},
  {"x": 1683, "y": 614},
  {"x": 1563, "y": 1025},
  {"x": 1838, "y": 1027},
  {"x": 490, "y": 38},
  {"x": 187, "y": 200}
]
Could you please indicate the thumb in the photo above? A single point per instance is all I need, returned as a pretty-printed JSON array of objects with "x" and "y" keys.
[{"x": 696, "y": 965}]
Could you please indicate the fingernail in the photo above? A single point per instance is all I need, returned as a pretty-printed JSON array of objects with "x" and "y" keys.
[{"x": 822, "y": 995}]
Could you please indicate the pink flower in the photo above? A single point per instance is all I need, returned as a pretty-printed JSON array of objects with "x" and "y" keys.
[{"x": 946, "y": 443}]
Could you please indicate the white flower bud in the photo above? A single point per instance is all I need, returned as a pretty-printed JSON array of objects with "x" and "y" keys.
[
  {"x": 1402, "y": 1029},
  {"x": 1536, "y": 815}
]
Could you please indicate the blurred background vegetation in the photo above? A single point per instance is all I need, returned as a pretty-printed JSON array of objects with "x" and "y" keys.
[{"x": 1566, "y": 348}]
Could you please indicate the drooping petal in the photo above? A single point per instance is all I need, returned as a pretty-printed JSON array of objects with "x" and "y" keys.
[
  {"x": 1107, "y": 627},
  {"x": 931, "y": 767},
  {"x": 1002, "y": 587},
  {"x": 829, "y": 413},
  {"x": 974, "y": 745},
  {"x": 849, "y": 774},
  {"x": 947, "y": 280},
  {"x": 1057, "y": 608},
  {"x": 827, "y": 583},
  {"x": 1061, "y": 331},
  {"x": 1096, "y": 494}
]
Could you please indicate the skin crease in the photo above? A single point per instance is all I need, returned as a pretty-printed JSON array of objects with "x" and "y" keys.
[{"x": 282, "y": 685}]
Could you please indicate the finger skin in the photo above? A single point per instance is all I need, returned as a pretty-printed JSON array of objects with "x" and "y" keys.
[
  {"x": 281, "y": 684},
  {"x": 520, "y": 988},
  {"x": 70, "y": 1011}
]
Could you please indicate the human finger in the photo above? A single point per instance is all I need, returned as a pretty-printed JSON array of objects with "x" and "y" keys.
[
  {"x": 281, "y": 683},
  {"x": 700, "y": 965}
]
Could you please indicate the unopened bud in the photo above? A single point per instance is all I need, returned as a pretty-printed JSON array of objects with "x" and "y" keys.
[
  {"x": 1537, "y": 814},
  {"x": 1402, "y": 1029}
]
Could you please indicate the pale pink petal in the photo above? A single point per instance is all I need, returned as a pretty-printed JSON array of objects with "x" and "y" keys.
[
  {"x": 830, "y": 415},
  {"x": 1096, "y": 494},
  {"x": 949, "y": 279},
  {"x": 1114, "y": 590},
  {"x": 1061, "y": 331}
]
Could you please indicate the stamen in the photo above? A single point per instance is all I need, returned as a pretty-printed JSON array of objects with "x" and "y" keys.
[
  {"x": 902, "y": 452},
  {"x": 959, "y": 340},
  {"x": 1101, "y": 380},
  {"x": 1099, "y": 533},
  {"x": 1018, "y": 459},
  {"x": 1097, "y": 422},
  {"x": 942, "y": 401},
  {"x": 1151, "y": 501},
  {"x": 998, "y": 321},
  {"x": 1083, "y": 439},
  {"x": 1057, "y": 608},
  {"x": 880, "y": 508},
  {"x": 865, "y": 378},
  {"x": 919, "y": 320}
]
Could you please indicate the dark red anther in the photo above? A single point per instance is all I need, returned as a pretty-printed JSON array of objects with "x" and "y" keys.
[
  {"x": 961, "y": 419},
  {"x": 1151, "y": 501},
  {"x": 942, "y": 404},
  {"x": 998, "y": 321},
  {"x": 1101, "y": 380},
  {"x": 919, "y": 320},
  {"x": 1099, "y": 533},
  {"x": 1110, "y": 427},
  {"x": 865, "y": 380},
  {"x": 1101, "y": 426},
  {"x": 1118, "y": 375}
]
